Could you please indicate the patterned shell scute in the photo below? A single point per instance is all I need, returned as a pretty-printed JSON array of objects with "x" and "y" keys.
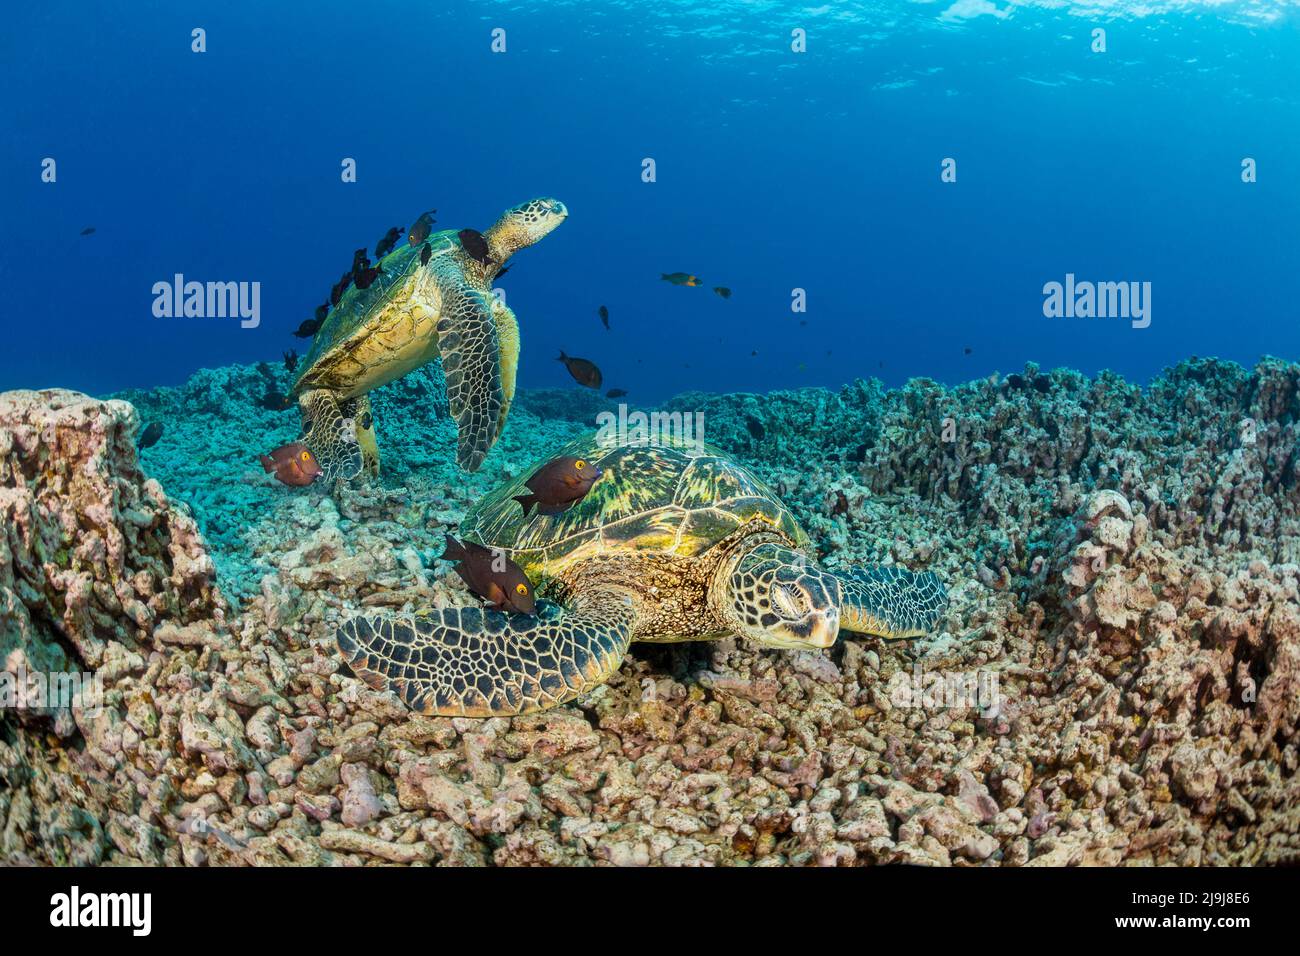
[
  {"x": 679, "y": 498},
  {"x": 356, "y": 305}
]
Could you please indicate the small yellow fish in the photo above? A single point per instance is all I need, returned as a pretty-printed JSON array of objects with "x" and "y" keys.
[{"x": 680, "y": 278}]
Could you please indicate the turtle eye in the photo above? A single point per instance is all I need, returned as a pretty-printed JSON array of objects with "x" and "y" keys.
[
  {"x": 521, "y": 589},
  {"x": 579, "y": 464},
  {"x": 789, "y": 602}
]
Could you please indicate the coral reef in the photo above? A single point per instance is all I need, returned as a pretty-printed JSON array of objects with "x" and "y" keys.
[
  {"x": 92, "y": 551},
  {"x": 1123, "y": 565}
]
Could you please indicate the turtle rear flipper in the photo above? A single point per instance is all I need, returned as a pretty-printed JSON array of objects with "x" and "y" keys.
[
  {"x": 891, "y": 602},
  {"x": 330, "y": 432},
  {"x": 471, "y": 359},
  {"x": 471, "y": 662}
]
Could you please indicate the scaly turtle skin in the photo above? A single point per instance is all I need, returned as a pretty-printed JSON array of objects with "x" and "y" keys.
[
  {"x": 412, "y": 313},
  {"x": 674, "y": 543}
]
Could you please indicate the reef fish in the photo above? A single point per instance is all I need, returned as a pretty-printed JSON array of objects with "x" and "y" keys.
[
  {"x": 492, "y": 576},
  {"x": 308, "y": 328},
  {"x": 275, "y": 400},
  {"x": 420, "y": 231},
  {"x": 723, "y": 291},
  {"x": 616, "y": 393},
  {"x": 340, "y": 287},
  {"x": 293, "y": 464},
  {"x": 385, "y": 245},
  {"x": 680, "y": 278},
  {"x": 290, "y": 360},
  {"x": 366, "y": 276},
  {"x": 604, "y": 316},
  {"x": 474, "y": 244},
  {"x": 425, "y": 254},
  {"x": 583, "y": 371},
  {"x": 88, "y": 231},
  {"x": 150, "y": 435},
  {"x": 558, "y": 484}
]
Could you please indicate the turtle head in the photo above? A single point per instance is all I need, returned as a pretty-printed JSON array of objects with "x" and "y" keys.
[
  {"x": 523, "y": 225},
  {"x": 776, "y": 597}
]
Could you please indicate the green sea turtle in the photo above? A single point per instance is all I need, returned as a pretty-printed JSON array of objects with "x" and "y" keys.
[
  {"x": 429, "y": 299},
  {"x": 674, "y": 543}
]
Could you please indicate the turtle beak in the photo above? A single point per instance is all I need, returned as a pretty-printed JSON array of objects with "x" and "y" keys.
[
  {"x": 815, "y": 628},
  {"x": 818, "y": 629},
  {"x": 559, "y": 209}
]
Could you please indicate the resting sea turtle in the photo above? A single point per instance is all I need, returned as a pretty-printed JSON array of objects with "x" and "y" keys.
[
  {"x": 419, "y": 307},
  {"x": 675, "y": 543}
]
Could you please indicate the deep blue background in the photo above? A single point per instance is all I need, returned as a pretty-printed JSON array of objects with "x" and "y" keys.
[{"x": 775, "y": 170}]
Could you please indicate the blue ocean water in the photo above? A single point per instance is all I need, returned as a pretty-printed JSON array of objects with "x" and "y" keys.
[{"x": 775, "y": 171}]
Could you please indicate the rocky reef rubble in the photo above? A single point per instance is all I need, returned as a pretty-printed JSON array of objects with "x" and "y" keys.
[
  {"x": 92, "y": 553},
  {"x": 1123, "y": 571}
]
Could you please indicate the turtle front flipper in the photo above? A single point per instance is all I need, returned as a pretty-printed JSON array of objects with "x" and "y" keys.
[
  {"x": 891, "y": 602},
  {"x": 330, "y": 433},
  {"x": 508, "y": 342},
  {"x": 471, "y": 359},
  {"x": 472, "y": 662}
]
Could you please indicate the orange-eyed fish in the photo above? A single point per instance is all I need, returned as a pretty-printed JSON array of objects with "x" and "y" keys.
[
  {"x": 492, "y": 576},
  {"x": 558, "y": 484},
  {"x": 293, "y": 464}
]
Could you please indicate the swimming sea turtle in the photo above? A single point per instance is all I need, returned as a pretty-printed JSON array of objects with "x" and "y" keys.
[
  {"x": 675, "y": 543},
  {"x": 417, "y": 308}
]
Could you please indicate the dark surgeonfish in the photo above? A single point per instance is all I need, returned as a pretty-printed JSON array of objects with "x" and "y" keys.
[
  {"x": 340, "y": 287},
  {"x": 366, "y": 277},
  {"x": 503, "y": 272},
  {"x": 359, "y": 261},
  {"x": 275, "y": 400},
  {"x": 680, "y": 278},
  {"x": 423, "y": 226},
  {"x": 425, "y": 254},
  {"x": 385, "y": 245},
  {"x": 290, "y": 360},
  {"x": 292, "y": 464},
  {"x": 308, "y": 328},
  {"x": 558, "y": 484},
  {"x": 474, "y": 244},
  {"x": 149, "y": 437},
  {"x": 583, "y": 371},
  {"x": 492, "y": 576},
  {"x": 88, "y": 231},
  {"x": 322, "y": 311},
  {"x": 616, "y": 393},
  {"x": 604, "y": 316},
  {"x": 723, "y": 291}
]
